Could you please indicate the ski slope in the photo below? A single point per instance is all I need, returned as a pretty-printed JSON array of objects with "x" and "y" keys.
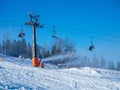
[{"x": 18, "y": 74}]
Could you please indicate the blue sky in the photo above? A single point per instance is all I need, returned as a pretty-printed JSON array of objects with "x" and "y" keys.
[{"x": 77, "y": 20}]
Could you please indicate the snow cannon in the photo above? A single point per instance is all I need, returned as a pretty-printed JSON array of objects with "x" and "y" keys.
[
  {"x": 41, "y": 65},
  {"x": 35, "y": 62}
]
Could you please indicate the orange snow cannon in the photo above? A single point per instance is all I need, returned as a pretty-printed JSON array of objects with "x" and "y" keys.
[{"x": 35, "y": 62}]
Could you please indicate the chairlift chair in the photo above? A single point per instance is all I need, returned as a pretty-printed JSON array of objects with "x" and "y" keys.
[
  {"x": 91, "y": 46},
  {"x": 54, "y": 34},
  {"x": 21, "y": 34}
]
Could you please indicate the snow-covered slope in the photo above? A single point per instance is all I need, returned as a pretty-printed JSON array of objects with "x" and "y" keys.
[{"x": 18, "y": 74}]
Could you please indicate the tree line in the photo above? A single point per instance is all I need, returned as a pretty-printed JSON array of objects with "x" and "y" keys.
[
  {"x": 96, "y": 62},
  {"x": 20, "y": 47},
  {"x": 16, "y": 48}
]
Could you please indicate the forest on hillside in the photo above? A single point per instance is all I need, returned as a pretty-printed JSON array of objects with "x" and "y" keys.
[
  {"x": 17, "y": 48},
  {"x": 20, "y": 47}
]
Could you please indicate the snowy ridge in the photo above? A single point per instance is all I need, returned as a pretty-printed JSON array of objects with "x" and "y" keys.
[
  {"x": 18, "y": 74},
  {"x": 102, "y": 72},
  {"x": 108, "y": 73},
  {"x": 90, "y": 71}
]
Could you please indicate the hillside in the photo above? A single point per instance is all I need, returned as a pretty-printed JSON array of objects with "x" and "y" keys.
[{"x": 18, "y": 74}]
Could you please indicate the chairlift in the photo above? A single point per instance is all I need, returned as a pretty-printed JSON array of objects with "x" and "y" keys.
[
  {"x": 21, "y": 34},
  {"x": 91, "y": 46},
  {"x": 54, "y": 34}
]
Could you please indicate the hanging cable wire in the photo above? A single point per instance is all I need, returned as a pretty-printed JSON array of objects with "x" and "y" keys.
[
  {"x": 84, "y": 31},
  {"x": 75, "y": 32},
  {"x": 86, "y": 36}
]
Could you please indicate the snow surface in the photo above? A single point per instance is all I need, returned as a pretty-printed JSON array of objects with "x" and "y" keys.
[{"x": 18, "y": 74}]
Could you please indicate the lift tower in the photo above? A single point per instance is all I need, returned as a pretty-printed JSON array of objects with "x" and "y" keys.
[{"x": 34, "y": 22}]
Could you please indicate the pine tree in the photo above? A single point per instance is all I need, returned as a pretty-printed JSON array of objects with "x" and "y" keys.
[
  {"x": 24, "y": 48},
  {"x": 54, "y": 50},
  {"x": 14, "y": 48},
  {"x": 68, "y": 46},
  {"x": 43, "y": 52},
  {"x": 95, "y": 62},
  {"x": 0, "y": 48},
  {"x": 47, "y": 53},
  {"x": 111, "y": 66},
  {"x": 29, "y": 50},
  {"x": 4, "y": 47},
  {"x": 102, "y": 63},
  {"x": 118, "y": 66},
  {"x": 85, "y": 61}
]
